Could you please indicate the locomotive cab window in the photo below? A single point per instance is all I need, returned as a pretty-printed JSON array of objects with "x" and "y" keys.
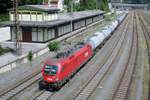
[{"x": 51, "y": 70}]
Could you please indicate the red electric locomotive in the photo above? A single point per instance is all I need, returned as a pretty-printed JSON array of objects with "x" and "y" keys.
[{"x": 56, "y": 72}]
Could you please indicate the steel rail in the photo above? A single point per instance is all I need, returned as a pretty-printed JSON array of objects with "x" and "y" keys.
[
  {"x": 144, "y": 24},
  {"x": 90, "y": 86},
  {"x": 27, "y": 81},
  {"x": 121, "y": 91}
]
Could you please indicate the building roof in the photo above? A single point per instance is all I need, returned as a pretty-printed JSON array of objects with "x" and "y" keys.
[
  {"x": 80, "y": 15},
  {"x": 44, "y": 8},
  {"x": 63, "y": 18},
  {"x": 36, "y": 24}
]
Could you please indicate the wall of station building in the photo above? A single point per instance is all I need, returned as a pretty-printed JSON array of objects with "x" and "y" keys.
[
  {"x": 79, "y": 24},
  {"x": 64, "y": 29},
  {"x": 89, "y": 21},
  {"x": 34, "y": 16},
  {"x": 44, "y": 34},
  {"x": 13, "y": 36},
  {"x": 37, "y": 34}
]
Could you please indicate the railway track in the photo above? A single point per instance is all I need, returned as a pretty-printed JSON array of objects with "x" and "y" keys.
[
  {"x": 69, "y": 84},
  {"x": 44, "y": 95},
  {"x": 20, "y": 87},
  {"x": 9, "y": 89},
  {"x": 137, "y": 62},
  {"x": 124, "y": 83},
  {"x": 97, "y": 76},
  {"x": 25, "y": 83},
  {"x": 122, "y": 88},
  {"x": 145, "y": 26},
  {"x": 121, "y": 91},
  {"x": 48, "y": 96}
]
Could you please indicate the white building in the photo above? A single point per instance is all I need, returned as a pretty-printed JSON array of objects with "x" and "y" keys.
[
  {"x": 35, "y": 13},
  {"x": 55, "y": 3},
  {"x": 40, "y": 23}
]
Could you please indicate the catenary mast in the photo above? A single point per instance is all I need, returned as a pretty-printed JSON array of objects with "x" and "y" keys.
[{"x": 17, "y": 42}]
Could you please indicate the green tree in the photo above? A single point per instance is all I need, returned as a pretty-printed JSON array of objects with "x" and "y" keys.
[
  {"x": 94, "y": 4},
  {"x": 71, "y": 5},
  {"x": 23, "y": 2},
  {"x": 83, "y": 4},
  {"x": 53, "y": 46},
  {"x": 4, "y": 5},
  {"x": 30, "y": 57},
  {"x": 104, "y": 5},
  {"x": 91, "y": 5},
  {"x": 76, "y": 7}
]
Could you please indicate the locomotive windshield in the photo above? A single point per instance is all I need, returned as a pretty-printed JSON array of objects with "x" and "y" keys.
[{"x": 51, "y": 70}]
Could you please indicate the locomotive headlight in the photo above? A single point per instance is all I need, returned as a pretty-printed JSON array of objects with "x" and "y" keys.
[
  {"x": 49, "y": 79},
  {"x": 56, "y": 79}
]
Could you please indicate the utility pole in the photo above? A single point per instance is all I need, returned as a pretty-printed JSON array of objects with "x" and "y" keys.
[
  {"x": 17, "y": 42},
  {"x": 96, "y": 4},
  {"x": 72, "y": 2}
]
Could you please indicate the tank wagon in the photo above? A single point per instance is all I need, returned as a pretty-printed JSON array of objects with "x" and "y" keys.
[
  {"x": 120, "y": 18},
  {"x": 57, "y": 71},
  {"x": 96, "y": 39}
]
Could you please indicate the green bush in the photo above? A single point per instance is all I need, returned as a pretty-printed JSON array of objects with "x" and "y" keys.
[
  {"x": 30, "y": 57},
  {"x": 53, "y": 46},
  {"x": 110, "y": 17},
  {"x": 3, "y": 50}
]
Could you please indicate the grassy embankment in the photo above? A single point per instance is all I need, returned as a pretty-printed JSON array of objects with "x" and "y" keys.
[{"x": 3, "y": 50}]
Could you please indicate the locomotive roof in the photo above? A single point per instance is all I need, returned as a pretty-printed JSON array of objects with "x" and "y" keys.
[{"x": 64, "y": 54}]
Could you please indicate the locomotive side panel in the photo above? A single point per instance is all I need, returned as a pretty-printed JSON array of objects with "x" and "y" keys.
[{"x": 75, "y": 61}]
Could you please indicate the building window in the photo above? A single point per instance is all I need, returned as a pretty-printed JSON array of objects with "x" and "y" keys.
[
  {"x": 64, "y": 29},
  {"x": 34, "y": 34},
  {"x": 51, "y": 34},
  {"x": 79, "y": 24},
  {"x": 40, "y": 34},
  {"x": 45, "y": 34},
  {"x": 89, "y": 21}
]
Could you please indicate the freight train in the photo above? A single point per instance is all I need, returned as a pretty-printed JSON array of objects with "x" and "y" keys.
[{"x": 57, "y": 71}]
